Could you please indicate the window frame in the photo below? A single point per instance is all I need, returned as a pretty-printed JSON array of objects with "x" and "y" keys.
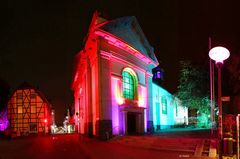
[
  {"x": 164, "y": 105},
  {"x": 128, "y": 85}
]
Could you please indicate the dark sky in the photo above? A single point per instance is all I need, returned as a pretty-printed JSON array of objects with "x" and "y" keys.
[{"x": 39, "y": 38}]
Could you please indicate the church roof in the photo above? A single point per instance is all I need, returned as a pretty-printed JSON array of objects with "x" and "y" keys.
[{"x": 129, "y": 30}]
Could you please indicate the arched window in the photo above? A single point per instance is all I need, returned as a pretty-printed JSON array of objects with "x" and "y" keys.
[{"x": 129, "y": 84}]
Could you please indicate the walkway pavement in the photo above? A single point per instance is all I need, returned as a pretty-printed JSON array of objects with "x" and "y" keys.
[
  {"x": 191, "y": 143},
  {"x": 66, "y": 146}
]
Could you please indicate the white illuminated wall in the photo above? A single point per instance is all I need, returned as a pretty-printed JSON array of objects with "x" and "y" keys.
[{"x": 167, "y": 109}]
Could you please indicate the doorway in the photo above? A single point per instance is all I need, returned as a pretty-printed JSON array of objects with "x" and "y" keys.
[{"x": 131, "y": 123}]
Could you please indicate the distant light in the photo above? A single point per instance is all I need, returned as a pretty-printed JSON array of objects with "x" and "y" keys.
[
  {"x": 158, "y": 74},
  {"x": 140, "y": 101},
  {"x": 80, "y": 91},
  {"x": 45, "y": 120},
  {"x": 219, "y": 54}
]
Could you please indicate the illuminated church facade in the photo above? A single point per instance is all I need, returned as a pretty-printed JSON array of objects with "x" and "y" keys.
[{"x": 113, "y": 84}]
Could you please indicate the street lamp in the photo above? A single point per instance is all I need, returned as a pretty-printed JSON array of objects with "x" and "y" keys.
[
  {"x": 79, "y": 107},
  {"x": 78, "y": 113},
  {"x": 219, "y": 54},
  {"x": 78, "y": 122}
]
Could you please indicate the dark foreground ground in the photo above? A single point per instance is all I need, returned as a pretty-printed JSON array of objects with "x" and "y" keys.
[{"x": 73, "y": 146}]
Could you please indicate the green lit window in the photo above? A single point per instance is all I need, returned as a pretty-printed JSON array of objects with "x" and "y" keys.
[
  {"x": 128, "y": 85},
  {"x": 164, "y": 105}
]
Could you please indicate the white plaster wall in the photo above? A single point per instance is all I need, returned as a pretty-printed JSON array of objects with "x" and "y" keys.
[
  {"x": 182, "y": 116},
  {"x": 165, "y": 119}
]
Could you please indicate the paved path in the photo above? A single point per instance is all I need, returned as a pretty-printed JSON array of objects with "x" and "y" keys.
[
  {"x": 191, "y": 147},
  {"x": 191, "y": 142},
  {"x": 71, "y": 147},
  {"x": 74, "y": 147}
]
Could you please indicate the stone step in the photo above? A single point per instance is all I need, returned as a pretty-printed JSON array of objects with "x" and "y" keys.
[{"x": 193, "y": 147}]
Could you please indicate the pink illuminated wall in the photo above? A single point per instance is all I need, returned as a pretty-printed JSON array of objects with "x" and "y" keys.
[
  {"x": 142, "y": 96},
  {"x": 113, "y": 40},
  {"x": 116, "y": 101},
  {"x": 118, "y": 119},
  {"x": 3, "y": 120}
]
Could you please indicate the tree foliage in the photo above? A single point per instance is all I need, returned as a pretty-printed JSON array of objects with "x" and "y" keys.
[
  {"x": 233, "y": 67},
  {"x": 4, "y": 93},
  {"x": 193, "y": 89}
]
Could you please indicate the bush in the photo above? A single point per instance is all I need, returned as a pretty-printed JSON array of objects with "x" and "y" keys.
[
  {"x": 192, "y": 121},
  {"x": 203, "y": 121}
]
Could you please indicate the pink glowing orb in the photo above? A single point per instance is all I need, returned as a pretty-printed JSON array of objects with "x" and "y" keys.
[{"x": 219, "y": 54}]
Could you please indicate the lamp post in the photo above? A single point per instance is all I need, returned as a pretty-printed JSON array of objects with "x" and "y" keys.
[
  {"x": 78, "y": 118},
  {"x": 219, "y": 54},
  {"x": 78, "y": 113}
]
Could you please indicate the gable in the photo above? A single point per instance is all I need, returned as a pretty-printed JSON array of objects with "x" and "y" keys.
[
  {"x": 128, "y": 29},
  {"x": 29, "y": 89}
]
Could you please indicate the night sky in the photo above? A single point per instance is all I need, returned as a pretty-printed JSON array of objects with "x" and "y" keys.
[{"x": 39, "y": 38}]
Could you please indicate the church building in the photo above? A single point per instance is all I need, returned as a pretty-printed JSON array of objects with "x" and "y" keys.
[{"x": 113, "y": 84}]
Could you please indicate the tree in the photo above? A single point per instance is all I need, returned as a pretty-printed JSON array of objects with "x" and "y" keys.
[
  {"x": 193, "y": 90},
  {"x": 4, "y": 93},
  {"x": 233, "y": 67},
  {"x": 233, "y": 82}
]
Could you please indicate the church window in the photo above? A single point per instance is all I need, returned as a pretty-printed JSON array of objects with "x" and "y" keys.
[{"x": 128, "y": 85}]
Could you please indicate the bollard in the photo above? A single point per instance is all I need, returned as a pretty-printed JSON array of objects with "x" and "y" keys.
[
  {"x": 228, "y": 146},
  {"x": 107, "y": 135}
]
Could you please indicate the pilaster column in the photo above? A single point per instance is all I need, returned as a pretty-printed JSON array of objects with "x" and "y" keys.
[
  {"x": 150, "y": 127},
  {"x": 105, "y": 96},
  {"x": 89, "y": 100}
]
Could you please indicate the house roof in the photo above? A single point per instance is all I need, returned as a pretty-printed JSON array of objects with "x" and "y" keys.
[
  {"x": 26, "y": 85},
  {"x": 129, "y": 30}
]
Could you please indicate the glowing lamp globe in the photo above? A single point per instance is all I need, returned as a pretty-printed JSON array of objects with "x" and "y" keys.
[{"x": 219, "y": 54}]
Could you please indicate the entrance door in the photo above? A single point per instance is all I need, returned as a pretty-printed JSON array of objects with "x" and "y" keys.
[
  {"x": 33, "y": 128},
  {"x": 157, "y": 108},
  {"x": 131, "y": 123}
]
